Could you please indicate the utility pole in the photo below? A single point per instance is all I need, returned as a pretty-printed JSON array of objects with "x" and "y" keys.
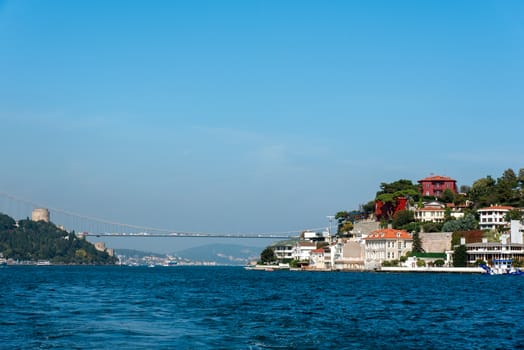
[{"x": 330, "y": 218}]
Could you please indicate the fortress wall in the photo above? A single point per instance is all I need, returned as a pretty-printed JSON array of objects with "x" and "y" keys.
[{"x": 436, "y": 242}]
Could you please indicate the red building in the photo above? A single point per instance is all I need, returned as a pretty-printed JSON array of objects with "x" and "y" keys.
[{"x": 435, "y": 185}]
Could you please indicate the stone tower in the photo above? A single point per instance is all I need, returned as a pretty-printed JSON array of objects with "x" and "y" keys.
[{"x": 40, "y": 214}]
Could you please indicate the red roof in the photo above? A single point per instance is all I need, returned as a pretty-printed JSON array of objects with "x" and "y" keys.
[
  {"x": 317, "y": 251},
  {"x": 497, "y": 207},
  {"x": 430, "y": 209},
  {"x": 437, "y": 178},
  {"x": 389, "y": 233}
]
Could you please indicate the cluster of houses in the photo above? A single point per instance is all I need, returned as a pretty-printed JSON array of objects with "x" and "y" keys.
[{"x": 370, "y": 246}]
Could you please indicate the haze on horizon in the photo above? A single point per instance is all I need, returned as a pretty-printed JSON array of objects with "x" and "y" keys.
[{"x": 259, "y": 116}]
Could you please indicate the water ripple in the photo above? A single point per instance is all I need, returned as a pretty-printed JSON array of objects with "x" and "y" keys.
[{"x": 230, "y": 308}]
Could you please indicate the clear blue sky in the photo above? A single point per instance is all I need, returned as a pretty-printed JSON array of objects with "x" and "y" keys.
[{"x": 253, "y": 116}]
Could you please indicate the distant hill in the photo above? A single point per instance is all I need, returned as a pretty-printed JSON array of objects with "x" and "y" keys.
[
  {"x": 222, "y": 254},
  {"x": 133, "y": 253}
]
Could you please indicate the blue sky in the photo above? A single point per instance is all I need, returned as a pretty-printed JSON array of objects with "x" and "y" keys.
[{"x": 253, "y": 116}]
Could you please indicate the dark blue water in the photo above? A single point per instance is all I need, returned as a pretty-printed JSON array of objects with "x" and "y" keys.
[{"x": 231, "y": 308}]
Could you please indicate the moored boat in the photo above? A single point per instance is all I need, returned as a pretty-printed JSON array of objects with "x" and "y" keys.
[{"x": 502, "y": 267}]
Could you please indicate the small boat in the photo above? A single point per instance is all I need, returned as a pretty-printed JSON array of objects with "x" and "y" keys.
[{"x": 502, "y": 267}]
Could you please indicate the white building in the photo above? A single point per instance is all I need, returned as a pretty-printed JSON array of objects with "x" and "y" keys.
[
  {"x": 494, "y": 217},
  {"x": 316, "y": 236},
  {"x": 511, "y": 246},
  {"x": 302, "y": 250},
  {"x": 386, "y": 244},
  {"x": 351, "y": 255},
  {"x": 320, "y": 258},
  {"x": 430, "y": 214},
  {"x": 284, "y": 249},
  {"x": 436, "y": 212},
  {"x": 516, "y": 231}
]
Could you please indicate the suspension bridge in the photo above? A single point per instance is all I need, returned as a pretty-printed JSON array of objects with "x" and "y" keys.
[{"x": 19, "y": 208}]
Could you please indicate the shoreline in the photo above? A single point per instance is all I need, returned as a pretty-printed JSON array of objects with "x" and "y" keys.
[
  {"x": 464, "y": 270},
  {"x": 476, "y": 270}
]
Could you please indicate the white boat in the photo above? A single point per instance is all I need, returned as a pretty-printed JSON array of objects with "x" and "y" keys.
[{"x": 502, "y": 267}]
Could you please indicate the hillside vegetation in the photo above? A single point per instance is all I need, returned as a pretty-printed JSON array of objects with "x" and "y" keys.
[
  {"x": 34, "y": 241},
  {"x": 508, "y": 189}
]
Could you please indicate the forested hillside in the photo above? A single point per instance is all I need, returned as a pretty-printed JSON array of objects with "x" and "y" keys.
[{"x": 33, "y": 241}]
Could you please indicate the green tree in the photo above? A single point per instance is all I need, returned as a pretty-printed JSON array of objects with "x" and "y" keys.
[
  {"x": 439, "y": 262},
  {"x": 268, "y": 255},
  {"x": 465, "y": 189},
  {"x": 400, "y": 187},
  {"x": 448, "y": 196},
  {"x": 468, "y": 222},
  {"x": 508, "y": 188},
  {"x": 514, "y": 214},
  {"x": 479, "y": 262},
  {"x": 417, "y": 244},
  {"x": 402, "y": 218},
  {"x": 483, "y": 192},
  {"x": 447, "y": 215},
  {"x": 460, "y": 256},
  {"x": 412, "y": 227},
  {"x": 345, "y": 222},
  {"x": 6, "y": 222},
  {"x": 432, "y": 227},
  {"x": 368, "y": 208}
]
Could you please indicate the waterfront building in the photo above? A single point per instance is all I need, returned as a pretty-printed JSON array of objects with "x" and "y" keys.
[
  {"x": 488, "y": 251},
  {"x": 386, "y": 244},
  {"x": 320, "y": 258},
  {"x": 284, "y": 249},
  {"x": 494, "y": 217},
  {"x": 351, "y": 255},
  {"x": 302, "y": 250},
  {"x": 435, "y": 185},
  {"x": 511, "y": 246}
]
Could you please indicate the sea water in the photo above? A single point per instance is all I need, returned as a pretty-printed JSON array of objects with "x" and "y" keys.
[{"x": 74, "y": 307}]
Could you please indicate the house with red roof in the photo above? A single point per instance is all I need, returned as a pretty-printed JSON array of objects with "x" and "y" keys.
[
  {"x": 320, "y": 258},
  {"x": 436, "y": 212},
  {"x": 386, "y": 244},
  {"x": 435, "y": 185},
  {"x": 494, "y": 217}
]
